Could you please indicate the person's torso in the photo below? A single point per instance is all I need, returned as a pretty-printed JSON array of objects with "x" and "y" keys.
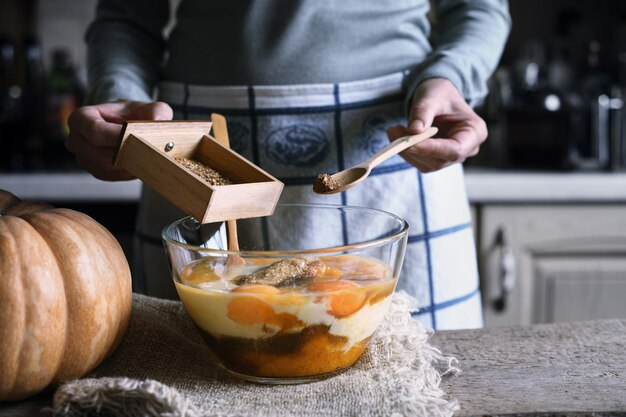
[{"x": 274, "y": 42}]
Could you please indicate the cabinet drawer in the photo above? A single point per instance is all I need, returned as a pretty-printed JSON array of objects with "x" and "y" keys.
[{"x": 555, "y": 254}]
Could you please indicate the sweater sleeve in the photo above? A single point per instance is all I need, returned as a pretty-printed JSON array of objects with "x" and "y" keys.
[
  {"x": 125, "y": 49},
  {"x": 470, "y": 38}
]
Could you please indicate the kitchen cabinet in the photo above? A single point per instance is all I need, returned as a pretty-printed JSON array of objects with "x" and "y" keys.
[{"x": 544, "y": 263}]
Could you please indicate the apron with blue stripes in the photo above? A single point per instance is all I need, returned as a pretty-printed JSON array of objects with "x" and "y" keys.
[{"x": 296, "y": 132}]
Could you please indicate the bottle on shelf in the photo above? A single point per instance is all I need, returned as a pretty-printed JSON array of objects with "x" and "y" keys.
[
  {"x": 11, "y": 114},
  {"x": 34, "y": 86},
  {"x": 590, "y": 147},
  {"x": 536, "y": 121},
  {"x": 64, "y": 94},
  {"x": 618, "y": 136}
]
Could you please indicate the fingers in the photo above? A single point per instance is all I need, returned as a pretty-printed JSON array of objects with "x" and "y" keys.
[
  {"x": 437, "y": 152},
  {"x": 88, "y": 123},
  {"x": 437, "y": 102},
  {"x": 421, "y": 161},
  {"x": 461, "y": 137},
  {"x": 423, "y": 113},
  {"x": 150, "y": 111},
  {"x": 431, "y": 99},
  {"x": 455, "y": 149},
  {"x": 100, "y": 125},
  {"x": 425, "y": 163},
  {"x": 92, "y": 140},
  {"x": 397, "y": 131},
  {"x": 94, "y": 132},
  {"x": 123, "y": 110},
  {"x": 95, "y": 160}
]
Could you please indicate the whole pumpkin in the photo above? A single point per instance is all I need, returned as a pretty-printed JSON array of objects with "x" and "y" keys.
[{"x": 65, "y": 295}]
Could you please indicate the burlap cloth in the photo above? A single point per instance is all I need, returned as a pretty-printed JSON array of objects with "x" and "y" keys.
[{"x": 163, "y": 368}]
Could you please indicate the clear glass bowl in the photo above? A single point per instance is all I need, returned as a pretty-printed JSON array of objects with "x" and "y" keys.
[{"x": 301, "y": 298}]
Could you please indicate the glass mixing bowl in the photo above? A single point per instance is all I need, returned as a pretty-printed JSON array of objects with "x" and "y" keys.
[{"x": 301, "y": 298}]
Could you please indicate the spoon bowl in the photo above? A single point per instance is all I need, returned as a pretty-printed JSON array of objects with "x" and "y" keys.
[{"x": 342, "y": 180}]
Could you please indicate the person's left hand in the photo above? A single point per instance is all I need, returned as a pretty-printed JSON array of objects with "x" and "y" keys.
[{"x": 438, "y": 103}]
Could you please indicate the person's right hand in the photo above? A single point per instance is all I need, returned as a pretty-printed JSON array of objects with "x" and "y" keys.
[{"x": 94, "y": 131}]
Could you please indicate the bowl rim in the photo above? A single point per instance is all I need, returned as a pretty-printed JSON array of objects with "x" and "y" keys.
[{"x": 330, "y": 250}]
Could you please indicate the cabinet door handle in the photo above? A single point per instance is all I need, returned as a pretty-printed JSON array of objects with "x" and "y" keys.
[{"x": 506, "y": 271}]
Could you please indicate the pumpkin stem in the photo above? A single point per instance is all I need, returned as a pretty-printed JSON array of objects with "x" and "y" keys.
[
  {"x": 7, "y": 200},
  {"x": 13, "y": 206}
]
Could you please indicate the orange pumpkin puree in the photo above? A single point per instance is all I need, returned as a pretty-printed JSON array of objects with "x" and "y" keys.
[{"x": 296, "y": 331}]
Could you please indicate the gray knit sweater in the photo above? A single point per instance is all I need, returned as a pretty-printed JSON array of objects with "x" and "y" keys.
[{"x": 277, "y": 42}]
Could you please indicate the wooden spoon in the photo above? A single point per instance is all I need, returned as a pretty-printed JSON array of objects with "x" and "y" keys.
[
  {"x": 220, "y": 133},
  {"x": 342, "y": 180}
]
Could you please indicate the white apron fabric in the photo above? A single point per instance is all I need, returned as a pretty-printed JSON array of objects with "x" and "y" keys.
[{"x": 296, "y": 132}]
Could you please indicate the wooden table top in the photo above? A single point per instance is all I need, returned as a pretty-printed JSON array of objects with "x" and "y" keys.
[
  {"x": 566, "y": 369},
  {"x": 550, "y": 369}
]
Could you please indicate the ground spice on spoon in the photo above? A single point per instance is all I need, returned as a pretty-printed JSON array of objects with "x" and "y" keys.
[{"x": 324, "y": 184}]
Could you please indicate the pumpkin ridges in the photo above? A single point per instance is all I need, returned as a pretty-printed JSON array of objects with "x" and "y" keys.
[
  {"x": 123, "y": 292},
  {"x": 10, "y": 311},
  {"x": 59, "y": 238},
  {"x": 38, "y": 296},
  {"x": 86, "y": 269}
]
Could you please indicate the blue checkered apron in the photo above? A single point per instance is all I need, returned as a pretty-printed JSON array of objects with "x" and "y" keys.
[{"x": 296, "y": 132}]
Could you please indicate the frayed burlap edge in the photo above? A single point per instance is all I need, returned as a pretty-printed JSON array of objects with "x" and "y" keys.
[
  {"x": 113, "y": 397},
  {"x": 401, "y": 348}
]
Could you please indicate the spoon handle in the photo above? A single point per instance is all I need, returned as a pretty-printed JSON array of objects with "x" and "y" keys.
[
  {"x": 398, "y": 146},
  {"x": 220, "y": 132}
]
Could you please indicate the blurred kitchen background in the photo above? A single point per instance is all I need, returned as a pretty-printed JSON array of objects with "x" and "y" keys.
[
  {"x": 548, "y": 190},
  {"x": 556, "y": 100}
]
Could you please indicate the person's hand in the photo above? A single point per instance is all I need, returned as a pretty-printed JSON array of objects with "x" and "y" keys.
[
  {"x": 438, "y": 103},
  {"x": 94, "y": 131}
]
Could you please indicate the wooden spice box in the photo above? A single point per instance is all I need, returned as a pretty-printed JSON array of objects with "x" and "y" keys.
[{"x": 148, "y": 150}]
